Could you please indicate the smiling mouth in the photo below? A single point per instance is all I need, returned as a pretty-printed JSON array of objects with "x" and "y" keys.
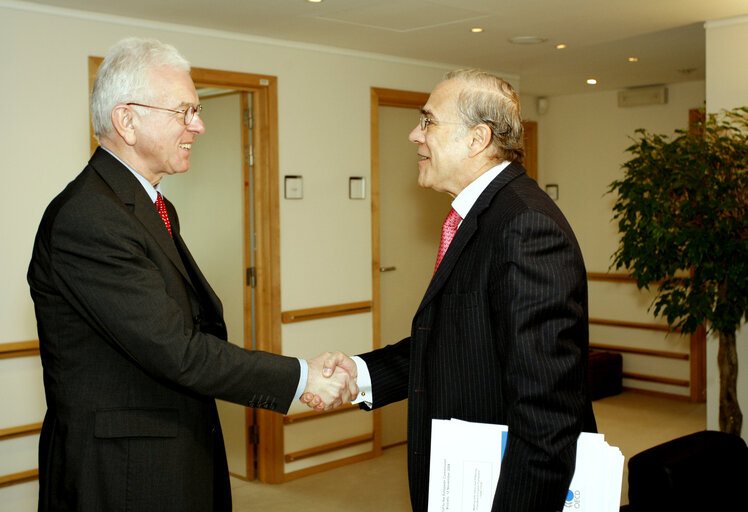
[
  {"x": 185, "y": 146},
  {"x": 422, "y": 158}
]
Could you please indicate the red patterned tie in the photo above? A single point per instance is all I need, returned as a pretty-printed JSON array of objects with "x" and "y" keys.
[
  {"x": 161, "y": 207},
  {"x": 449, "y": 228}
]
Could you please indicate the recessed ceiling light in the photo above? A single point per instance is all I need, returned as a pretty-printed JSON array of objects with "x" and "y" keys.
[
  {"x": 561, "y": 46},
  {"x": 315, "y": 1},
  {"x": 527, "y": 40},
  {"x": 476, "y": 29},
  {"x": 633, "y": 59},
  {"x": 592, "y": 81}
]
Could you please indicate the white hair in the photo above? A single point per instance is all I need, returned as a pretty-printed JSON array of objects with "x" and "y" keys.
[{"x": 123, "y": 77}]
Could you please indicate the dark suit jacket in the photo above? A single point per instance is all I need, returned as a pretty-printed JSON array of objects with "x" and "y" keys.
[
  {"x": 133, "y": 347},
  {"x": 501, "y": 336}
]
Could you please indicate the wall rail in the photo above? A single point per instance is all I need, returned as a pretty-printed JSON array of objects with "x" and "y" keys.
[
  {"x": 19, "y": 478},
  {"x": 313, "y": 415},
  {"x": 19, "y": 349},
  {"x": 301, "y": 315},
  {"x": 330, "y": 447},
  {"x": 23, "y": 430}
]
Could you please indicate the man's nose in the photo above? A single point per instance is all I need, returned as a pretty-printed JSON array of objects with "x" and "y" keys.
[
  {"x": 416, "y": 136},
  {"x": 196, "y": 125}
]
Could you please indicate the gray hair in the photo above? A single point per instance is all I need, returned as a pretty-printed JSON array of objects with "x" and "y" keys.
[
  {"x": 489, "y": 100},
  {"x": 124, "y": 77}
]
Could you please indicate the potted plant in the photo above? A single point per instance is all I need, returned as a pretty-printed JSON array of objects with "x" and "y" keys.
[{"x": 681, "y": 211}]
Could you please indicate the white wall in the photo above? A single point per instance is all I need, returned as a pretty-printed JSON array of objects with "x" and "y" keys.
[
  {"x": 582, "y": 145},
  {"x": 726, "y": 88}
]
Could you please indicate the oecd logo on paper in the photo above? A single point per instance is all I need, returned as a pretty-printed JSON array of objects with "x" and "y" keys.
[{"x": 573, "y": 499}]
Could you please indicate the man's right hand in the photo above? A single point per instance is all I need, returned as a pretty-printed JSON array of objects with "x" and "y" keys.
[{"x": 331, "y": 381}]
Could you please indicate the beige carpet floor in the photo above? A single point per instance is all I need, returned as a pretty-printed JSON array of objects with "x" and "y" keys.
[{"x": 631, "y": 421}]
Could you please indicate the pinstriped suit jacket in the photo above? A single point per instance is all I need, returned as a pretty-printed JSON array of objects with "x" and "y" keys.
[
  {"x": 133, "y": 347},
  {"x": 501, "y": 336}
]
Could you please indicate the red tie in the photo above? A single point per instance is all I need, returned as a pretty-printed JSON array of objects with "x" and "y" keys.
[
  {"x": 449, "y": 228},
  {"x": 161, "y": 207}
]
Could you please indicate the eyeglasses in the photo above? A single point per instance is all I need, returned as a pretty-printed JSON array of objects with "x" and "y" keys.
[
  {"x": 424, "y": 122},
  {"x": 189, "y": 112}
]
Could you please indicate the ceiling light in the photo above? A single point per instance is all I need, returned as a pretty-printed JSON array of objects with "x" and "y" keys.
[
  {"x": 561, "y": 46},
  {"x": 592, "y": 81},
  {"x": 633, "y": 59},
  {"x": 527, "y": 40},
  {"x": 315, "y": 1},
  {"x": 476, "y": 29}
]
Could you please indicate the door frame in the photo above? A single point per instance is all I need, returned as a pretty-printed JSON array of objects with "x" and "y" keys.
[
  {"x": 264, "y": 90},
  {"x": 382, "y": 98}
]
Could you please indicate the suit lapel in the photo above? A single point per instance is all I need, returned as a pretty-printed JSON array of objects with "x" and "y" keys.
[
  {"x": 127, "y": 188},
  {"x": 466, "y": 231}
]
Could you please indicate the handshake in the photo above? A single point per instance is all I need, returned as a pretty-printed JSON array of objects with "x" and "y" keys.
[{"x": 331, "y": 381}]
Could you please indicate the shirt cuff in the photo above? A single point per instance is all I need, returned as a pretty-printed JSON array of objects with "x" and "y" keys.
[
  {"x": 302, "y": 379},
  {"x": 364, "y": 383}
]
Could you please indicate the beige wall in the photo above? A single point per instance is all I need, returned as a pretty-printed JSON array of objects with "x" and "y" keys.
[
  {"x": 727, "y": 87},
  {"x": 582, "y": 145}
]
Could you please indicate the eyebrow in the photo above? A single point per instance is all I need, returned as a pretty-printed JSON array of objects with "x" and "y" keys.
[{"x": 426, "y": 112}]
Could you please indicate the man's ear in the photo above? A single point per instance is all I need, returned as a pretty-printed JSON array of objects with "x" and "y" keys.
[
  {"x": 124, "y": 122},
  {"x": 481, "y": 139}
]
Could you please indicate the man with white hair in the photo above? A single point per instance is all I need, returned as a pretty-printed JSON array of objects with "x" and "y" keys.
[{"x": 132, "y": 337}]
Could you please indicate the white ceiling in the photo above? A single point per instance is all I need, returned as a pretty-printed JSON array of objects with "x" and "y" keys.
[{"x": 667, "y": 36}]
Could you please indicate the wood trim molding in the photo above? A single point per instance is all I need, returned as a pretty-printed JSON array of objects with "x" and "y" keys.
[
  {"x": 302, "y": 315},
  {"x": 326, "y": 466},
  {"x": 530, "y": 142},
  {"x": 19, "y": 478},
  {"x": 329, "y": 447},
  {"x": 604, "y": 276},
  {"x": 656, "y": 378},
  {"x": 380, "y": 97},
  {"x": 19, "y": 349},
  {"x": 641, "y": 351},
  {"x": 20, "y": 431},
  {"x": 698, "y": 365},
  {"x": 313, "y": 415},
  {"x": 632, "y": 325}
]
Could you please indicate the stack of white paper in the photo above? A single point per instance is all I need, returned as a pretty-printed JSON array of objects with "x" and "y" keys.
[
  {"x": 466, "y": 459},
  {"x": 596, "y": 485}
]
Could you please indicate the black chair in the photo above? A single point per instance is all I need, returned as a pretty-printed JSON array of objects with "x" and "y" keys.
[{"x": 705, "y": 471}]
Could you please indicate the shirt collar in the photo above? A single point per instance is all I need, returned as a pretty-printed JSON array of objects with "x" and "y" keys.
[
  {"x": 470, "y": 194},
  {"x": 150, "y": 189}
]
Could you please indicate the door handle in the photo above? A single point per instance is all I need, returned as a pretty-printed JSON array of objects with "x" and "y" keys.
[{"x": 387, "y": 269}]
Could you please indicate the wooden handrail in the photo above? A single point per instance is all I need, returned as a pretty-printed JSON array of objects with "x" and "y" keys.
[
  {"x": 605, "y": 276},
  {"x": 301, "y": 315},
  {"x": 311, "y": 415},
  {"x": 642, "y": 351},
  {"x": 632, "y": 325},
  {"x": 19, "y": 478},
  {"x": 654, "y": 378},
  {"x": 19, "y": 349},
  {"x": 23, "y": 430},
  {"x": 330, "y": 447}
]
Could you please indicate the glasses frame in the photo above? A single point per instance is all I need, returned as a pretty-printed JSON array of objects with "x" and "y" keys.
[
  {"x": 425, "y": 121},
  {"x": 189, "y": 112}
]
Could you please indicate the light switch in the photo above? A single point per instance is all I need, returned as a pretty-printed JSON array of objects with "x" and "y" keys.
[
  {"x": 294, "y": 187},
  {"x": 552, "y": 190},
  {"x": 357, "y": 187}
]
